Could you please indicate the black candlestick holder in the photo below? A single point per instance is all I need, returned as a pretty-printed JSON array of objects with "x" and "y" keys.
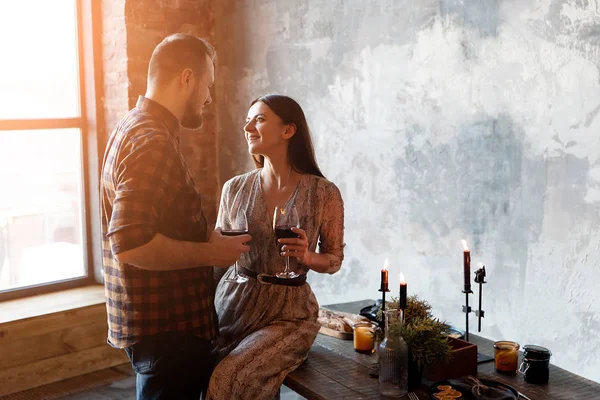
[
  {"x": 383, "y": 290},
  {"x": 480, "y": 278},
  {"x": 467, "y": 309}
]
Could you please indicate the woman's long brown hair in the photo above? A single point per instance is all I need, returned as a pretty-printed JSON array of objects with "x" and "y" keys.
[{"x": 301, "y": 152}]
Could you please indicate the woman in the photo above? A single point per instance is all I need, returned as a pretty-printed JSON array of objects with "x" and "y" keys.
[{"x": 267, "y": 324}]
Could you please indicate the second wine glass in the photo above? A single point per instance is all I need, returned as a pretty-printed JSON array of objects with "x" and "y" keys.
[
  {"x": 283, "y": 222},
  {"x": 238, "y": 225}
]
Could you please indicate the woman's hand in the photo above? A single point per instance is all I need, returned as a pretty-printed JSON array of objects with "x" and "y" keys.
[{"x": 297, "y": 247}]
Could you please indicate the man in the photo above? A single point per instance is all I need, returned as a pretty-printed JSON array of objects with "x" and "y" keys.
[{"x": 156, "y": 252}]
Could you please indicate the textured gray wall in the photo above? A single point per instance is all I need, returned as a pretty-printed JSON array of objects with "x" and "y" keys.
[{"x": 441, "y": 120}]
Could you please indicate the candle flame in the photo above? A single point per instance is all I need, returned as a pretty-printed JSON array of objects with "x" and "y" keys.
[
  {"x": 480, "y": 265},
  {"x": 465, "y": 247},
  {"x": 402, "y": 278},
  {"x": 386, "y": 264}
]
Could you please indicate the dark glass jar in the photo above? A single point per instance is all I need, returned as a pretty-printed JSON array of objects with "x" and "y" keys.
[{"x": 536, "y": 364}]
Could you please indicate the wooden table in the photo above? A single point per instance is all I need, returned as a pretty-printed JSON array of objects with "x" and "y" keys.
[{"x": 335, "y": 371}]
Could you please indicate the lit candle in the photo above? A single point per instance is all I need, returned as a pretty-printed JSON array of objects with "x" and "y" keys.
[
  {"x": 384, "y": 277},
  {"x": 403, "y": 287},
  {"x": 466, "y": 266},
  {"x": 364, "y": 338}
]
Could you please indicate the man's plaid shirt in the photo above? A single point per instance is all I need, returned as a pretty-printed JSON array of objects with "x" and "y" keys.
[{"x": 147, "y": 189}]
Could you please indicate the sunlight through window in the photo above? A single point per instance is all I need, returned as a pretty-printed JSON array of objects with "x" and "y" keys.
[{"x": 40, "y": 169}]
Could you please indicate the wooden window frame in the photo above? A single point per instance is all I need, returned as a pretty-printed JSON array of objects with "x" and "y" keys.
[{"x": 90, "y": 123}]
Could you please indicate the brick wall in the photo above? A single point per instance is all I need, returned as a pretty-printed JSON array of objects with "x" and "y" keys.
[
  {"x": 131, "y": 31},
  {"x": 114, "y": 67}
]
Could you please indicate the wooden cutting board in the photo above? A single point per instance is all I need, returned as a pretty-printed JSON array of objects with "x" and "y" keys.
[
  {"x": 349, "y": 320},
  {"x": 336, "y": 334}
]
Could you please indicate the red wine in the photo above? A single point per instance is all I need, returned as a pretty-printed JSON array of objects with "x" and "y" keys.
[
  {"x": 234, "y": 232},
  {"x": 284, "y": 232}
]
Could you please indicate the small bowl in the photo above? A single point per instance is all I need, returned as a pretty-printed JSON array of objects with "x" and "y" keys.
[{"x": 456, "y": 333}]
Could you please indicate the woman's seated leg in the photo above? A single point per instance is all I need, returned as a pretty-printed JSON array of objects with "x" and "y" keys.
[{"x": 256, "y": 368}]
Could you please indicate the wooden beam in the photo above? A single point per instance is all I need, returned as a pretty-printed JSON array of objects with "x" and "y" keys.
[
  {"x": 57, "y": 343},
  {"x": 35, "y": 326},
  {"x": 45, "y": 304},
  {"x": 55, "y": 369},
  {"x": 39, "y": 124}
]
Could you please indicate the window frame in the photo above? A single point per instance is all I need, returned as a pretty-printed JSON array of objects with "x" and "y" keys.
[{"x": 91, "y": 126}]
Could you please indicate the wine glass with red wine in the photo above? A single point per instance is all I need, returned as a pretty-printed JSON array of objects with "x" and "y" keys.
[
  {"x": 238, "y": 225},
  {"x": 283, "y": 221}
]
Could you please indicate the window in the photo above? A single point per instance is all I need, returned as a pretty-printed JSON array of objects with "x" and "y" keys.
[{"x": 48, "y": 157}]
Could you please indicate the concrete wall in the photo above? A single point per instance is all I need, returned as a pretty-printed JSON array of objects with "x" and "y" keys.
[{"x": 443, "y": 120}]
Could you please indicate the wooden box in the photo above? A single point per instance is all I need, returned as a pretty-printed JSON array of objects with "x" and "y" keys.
[{"x": 463, "y": 363}]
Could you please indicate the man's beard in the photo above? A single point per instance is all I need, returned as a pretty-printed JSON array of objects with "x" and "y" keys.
[{"x": 192, "y": 119}]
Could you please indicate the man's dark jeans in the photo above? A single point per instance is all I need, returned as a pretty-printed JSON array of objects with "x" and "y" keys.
[{"x": 171, "y": 366}]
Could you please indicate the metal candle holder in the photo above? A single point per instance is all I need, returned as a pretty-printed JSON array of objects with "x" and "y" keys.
[
  {"x": 466, "y": 309},
  {"x": 480, "y": 278},
  {"x": 383, "y": 289}
]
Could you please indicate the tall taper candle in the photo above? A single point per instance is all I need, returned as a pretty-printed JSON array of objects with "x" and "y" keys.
[
  {"x": 384, "y": 277},
  {"x": 403, "y": 288},
  {"x": 466, "y": 266}
]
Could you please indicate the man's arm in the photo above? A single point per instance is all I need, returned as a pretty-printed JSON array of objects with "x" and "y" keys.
[
  {"x": 163, "y": 253},
  {"x": 145, "y": 181}
]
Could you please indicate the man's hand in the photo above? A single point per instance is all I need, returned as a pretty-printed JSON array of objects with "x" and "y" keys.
[
  {"x": 166, "y": 254},
  {"x": 228, "y": 249}
]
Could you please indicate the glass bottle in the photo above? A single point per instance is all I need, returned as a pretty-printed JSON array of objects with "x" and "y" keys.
[{"x": 393, "y": 357}]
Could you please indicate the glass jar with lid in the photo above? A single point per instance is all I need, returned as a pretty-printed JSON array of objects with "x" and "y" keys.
[{"x": 536, "y": 364}]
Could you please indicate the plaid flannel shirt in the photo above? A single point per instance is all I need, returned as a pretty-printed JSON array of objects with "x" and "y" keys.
[{"x": 147, "y": 188}]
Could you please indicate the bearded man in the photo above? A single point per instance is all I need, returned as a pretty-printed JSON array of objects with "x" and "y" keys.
[{"x": 158, "y": 255}]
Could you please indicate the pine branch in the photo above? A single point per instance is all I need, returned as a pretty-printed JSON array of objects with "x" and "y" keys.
[{"x": 426, "y": 336}]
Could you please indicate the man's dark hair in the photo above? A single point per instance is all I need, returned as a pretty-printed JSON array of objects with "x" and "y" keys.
[{"x": 177, "y": 52}]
